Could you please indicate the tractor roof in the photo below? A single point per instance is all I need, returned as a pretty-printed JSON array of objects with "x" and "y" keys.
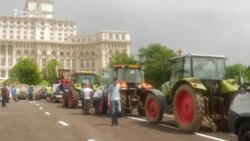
[
  {"x": 85, "y": 72},
  {"x": 129, "y": 66},
  {"x": 200, "y": 55}
]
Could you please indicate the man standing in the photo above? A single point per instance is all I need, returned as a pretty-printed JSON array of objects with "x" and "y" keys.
[
  {"x": 87, "y": 93},
  {"x": 114, "y": 101},
  {"x": 96, "y": 98},
  {"x": 14, "y": 93},
  {"x": 5, "y": 93},
  {"x": 30, "y": 91}
]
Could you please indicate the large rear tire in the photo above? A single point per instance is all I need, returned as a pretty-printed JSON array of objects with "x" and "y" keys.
[
  {"x": 188, "y": 108},
  {"x": 74, "y": 102},
  {"x": 65, "y": 100},
  {"x": 153, "y": 108}
]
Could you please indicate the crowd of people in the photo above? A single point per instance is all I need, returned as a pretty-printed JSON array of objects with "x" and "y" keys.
[{"x": 87, "y": 94}]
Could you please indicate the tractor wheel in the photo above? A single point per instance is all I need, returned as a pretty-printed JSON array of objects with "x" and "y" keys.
[
  {"x": 74, "y": 102},
  {"x": 188, "y": 108},
  {"x": 244, "y": 132},
  {"x": 65, "y": 100},
  {"x": 102, "y": 105},
  {"x": 153, "y": 109},
  {"x": 123, "y": 105}
]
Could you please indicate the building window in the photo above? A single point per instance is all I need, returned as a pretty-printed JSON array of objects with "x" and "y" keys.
[
  {"x": 3, "y": 50},
  {"x": 11, "y": 31},
  {"x": 117, "y": 36},
  {"x": 67, "y": 63},
  {"x": 3, "y": 73},
  {"x": 74, "y": 64},
  {"x": 3, "y": 63},
  {"x": 10, "y": 61},
  {"x": 43, "y": 62},
  {"x": 62, "y": 63},
  {"x": 4, "y": 31},
  {"x": 110, "y": 36},
  {"x": 42, "y": 33},
  {"x": 42, "y": 38}
]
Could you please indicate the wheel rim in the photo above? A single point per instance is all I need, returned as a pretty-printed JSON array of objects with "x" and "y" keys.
[
  {"x": 185, "y": 107},
  {"x": 152, "y": 108}
]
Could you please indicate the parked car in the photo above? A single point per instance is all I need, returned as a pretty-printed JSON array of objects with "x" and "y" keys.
[
  {"x": 22, "y": 96},
  {"x": 41, "y": 94},
  {"x": 239, "y": 116}
]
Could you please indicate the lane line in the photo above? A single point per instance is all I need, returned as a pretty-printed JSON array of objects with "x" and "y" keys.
[
  {"x": 209, "y": 137},
  {"x": 47, "y": 113},
  {"x": 41, "y": 108},
  {"x": 63, "y": 123},
  {"x": 175, "y": 128},
  {"x": 37, "y": 104},
  {"x": 91, "y": 140}
]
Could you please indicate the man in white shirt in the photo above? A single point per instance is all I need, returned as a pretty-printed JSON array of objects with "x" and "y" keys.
[{"x": 87, "y": 93}]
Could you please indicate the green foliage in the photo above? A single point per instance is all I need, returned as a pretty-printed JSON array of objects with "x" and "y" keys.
[
  {"x": 50, "y": 71},
  {"x": 26, "y": 72},
  {"x": 121, "y": 58},
  {"x": 233, "y": 71},
  {"x": 155, "y": 59}
]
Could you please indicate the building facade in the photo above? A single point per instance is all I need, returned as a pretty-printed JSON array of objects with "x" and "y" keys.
[{"x": 38, "y": 36}]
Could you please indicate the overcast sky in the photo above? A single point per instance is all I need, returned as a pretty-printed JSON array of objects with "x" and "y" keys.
[{"x": 195, "y": 26}]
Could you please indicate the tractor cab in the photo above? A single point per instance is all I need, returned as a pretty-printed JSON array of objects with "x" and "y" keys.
[
  {"x": 88, "y": 77},
  {"x": 129, "y": 76},
  {"x": 202, "y": 67}
]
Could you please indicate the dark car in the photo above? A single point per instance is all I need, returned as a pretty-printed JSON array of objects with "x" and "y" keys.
[
  {"x": 41, "y": 94},
  {"x": 239, "y": 116}
]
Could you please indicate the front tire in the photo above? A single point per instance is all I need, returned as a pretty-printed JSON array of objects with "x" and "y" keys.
[
  {"x": 188, "y": 108},
  {"x": 244, "y": 132},
  {"x": 153, "y": 109}
]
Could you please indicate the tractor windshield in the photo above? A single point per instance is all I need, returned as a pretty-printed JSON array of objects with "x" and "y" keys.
[
  {"x": 209, "y": 68},
  {"x": 88, "y": 78},
  {"x": 130, "y": 75}
]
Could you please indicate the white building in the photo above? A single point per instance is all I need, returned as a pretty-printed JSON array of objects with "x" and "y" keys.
[{"x": 34, "y": 33}]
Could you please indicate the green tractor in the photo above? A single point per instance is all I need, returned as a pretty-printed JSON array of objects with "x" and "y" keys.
[
  {"x": 71, "y": 99},
  {"x": 197, "y": 92}
]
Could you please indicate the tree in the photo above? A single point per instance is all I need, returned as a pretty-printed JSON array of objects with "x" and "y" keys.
[
  {"x": 50, "y": 71},
  {"x": 121, "y": 58},
  {"x": 234, "y": 71},
  {"x": 27, "y": 72},
  {"x": 155, "y": 59}
]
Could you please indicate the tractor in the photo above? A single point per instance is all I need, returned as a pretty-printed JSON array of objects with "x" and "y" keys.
[
  {"x": 71, "y": 99},
  {"x": 133, "y": 89},
  {"x": 198, "y": 92}
]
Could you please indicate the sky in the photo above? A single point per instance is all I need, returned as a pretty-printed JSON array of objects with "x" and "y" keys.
[{"x": 218, "y": 27}]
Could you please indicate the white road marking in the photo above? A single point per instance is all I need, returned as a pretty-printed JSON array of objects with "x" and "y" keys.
[
  {"x": 37, "y": 104},
  {"x": 209, "y": 137},
  {"x": 41, "y": 108},
  {"x": 91, "y": 140},
  {"x": 175, "y": 128},
  {"x": 47, "y": 113},
  {"x": 63, "y": 123}
]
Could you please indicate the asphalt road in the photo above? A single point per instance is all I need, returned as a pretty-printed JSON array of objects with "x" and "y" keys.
[{"x": 42, "y": 121}]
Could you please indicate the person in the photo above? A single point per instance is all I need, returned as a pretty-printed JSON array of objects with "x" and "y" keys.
[
  {"x": 48, "y": 93},
  {"x": 30, "y": 92},
  {"x": 5, "y": 92},
  {"x": 114, "y": 101},
  {"x": 86, "y": 92},
  {"x": 14, "y": 93},
  {"x": 96, "y": 98}
]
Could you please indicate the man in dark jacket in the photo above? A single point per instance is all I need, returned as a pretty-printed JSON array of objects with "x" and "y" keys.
[{"x": 5, "y": 92}]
